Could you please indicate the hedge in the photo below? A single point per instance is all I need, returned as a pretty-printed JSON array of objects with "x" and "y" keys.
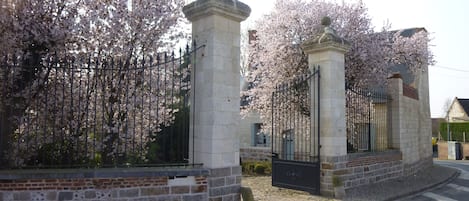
[{"x": 457, "y": 131}]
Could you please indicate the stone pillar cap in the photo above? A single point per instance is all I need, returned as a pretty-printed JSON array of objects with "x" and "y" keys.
[
  {"x": 329, "y": 37},
  {"x": 232, "y": 9}
]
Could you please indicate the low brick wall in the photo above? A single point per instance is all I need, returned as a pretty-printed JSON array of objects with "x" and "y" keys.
[
  {"x": 442, "y": 150},
  {"x": 359, "y": 169},
  {"x": 372, "y": 167},
  {"x": 255, "y": 154},
  {"x": 465, "y": 150},
  {"x": 104, "y": 184}
]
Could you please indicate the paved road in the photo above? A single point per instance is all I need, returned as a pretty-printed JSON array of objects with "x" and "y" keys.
[{"x": 456, "y": 190}]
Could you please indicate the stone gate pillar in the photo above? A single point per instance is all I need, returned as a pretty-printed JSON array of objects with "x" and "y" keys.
[
  {"x": 215, "y": 113},
  {"x": 327, "y": 51}
]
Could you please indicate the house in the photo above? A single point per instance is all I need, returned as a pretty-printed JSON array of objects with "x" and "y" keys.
[
  {"x": 254, "y": 143},
  {"x": 458, "y": 111}
]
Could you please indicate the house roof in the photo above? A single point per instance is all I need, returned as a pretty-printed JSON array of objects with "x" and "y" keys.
[
  {"x": 464, "y": 102},
  {"x": 409, "y": 32},
  {"x": 407, "y": 76}
]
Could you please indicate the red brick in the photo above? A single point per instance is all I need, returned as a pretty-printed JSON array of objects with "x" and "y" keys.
[
  {"x": 198, "y": 188},
  {"x": 327, "y": 166},
  {"x": 180, "y": 189},
  {"x": 442, "y": 150}
]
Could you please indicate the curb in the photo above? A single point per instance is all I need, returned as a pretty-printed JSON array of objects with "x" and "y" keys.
[{"x": 430, "y": 186}]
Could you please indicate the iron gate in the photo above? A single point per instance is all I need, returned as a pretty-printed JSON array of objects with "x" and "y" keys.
[{"x": 295, "y": 134}]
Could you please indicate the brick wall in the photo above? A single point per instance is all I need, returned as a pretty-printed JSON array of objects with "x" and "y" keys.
[
  {"x": 359, "y": 169},
  {"x": 126, "y": 184},
  {"x": 465, "y": 150},
  {"x": 410, "y": 92},
  {"x": 442, "y": 150},
  {"x": 255, "y": 154}
]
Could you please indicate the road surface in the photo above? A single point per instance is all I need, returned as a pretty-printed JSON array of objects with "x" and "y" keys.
[{"x": 455, "y": 190}]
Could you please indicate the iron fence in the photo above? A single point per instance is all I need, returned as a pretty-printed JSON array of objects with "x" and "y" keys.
[
  {"x": 367, "y": 119},
  {"x": 95, "y": 111}
]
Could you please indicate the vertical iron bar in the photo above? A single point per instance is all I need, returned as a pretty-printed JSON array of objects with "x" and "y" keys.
[
  {"x": 37, "y": 107},
  {"x": 182, "y": 129},
  {"x": 104, "y": 109},
  {"x": 55, "y": 125},
  {"x": 186, "y": 121},
  {"x": 165, "y": 105},
  {"x": 71, "y": 117},
  {"x": 62, "y": 137},
  {"x": 134, "y": 103},
  {"x": 111, "y": 116},
  {"x": 158, "y": 96},
  {"x": 272, "y": 133},
  {"x": 319, "y": 114},
  {"x": 127, "y": 71},
  {"x": 142, "y": 121},
  {"x": 79, "y": 113},
  {"x": 118, "y": 91},
  {"x": 95, "y": 90},
  {"x": 172, "y": 145},
  {"x": 369, "y": 121},
  {"x": 87, "y": 110},
  {"x": 193, "y": 99},
  {"x": 152, "y": 128},
  {"x": 28, "y": 118},
  {"x": 45, "y": 111}
]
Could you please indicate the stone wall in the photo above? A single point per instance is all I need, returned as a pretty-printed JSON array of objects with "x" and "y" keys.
[
  {"x": 358, "y": 169},
  {"x": 104, "y": 184},
  {"x": 410, "y": 123},
  {"x": 416, "y": 132},
  {"x": 412, "y": 168},
  {"x": 225, "y": 184},
  {"x": 256, "y": 154}
]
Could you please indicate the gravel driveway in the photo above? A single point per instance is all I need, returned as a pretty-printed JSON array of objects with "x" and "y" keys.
[{"x": 264, "y": 191}]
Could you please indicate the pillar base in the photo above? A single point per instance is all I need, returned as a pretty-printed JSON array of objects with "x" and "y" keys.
[{"x": 225, "y": 183}]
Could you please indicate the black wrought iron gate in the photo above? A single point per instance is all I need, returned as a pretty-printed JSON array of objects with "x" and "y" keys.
[{"x": 295, "y": 134}]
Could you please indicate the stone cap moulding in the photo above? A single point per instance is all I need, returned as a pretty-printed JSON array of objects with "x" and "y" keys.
[
  {"x": 328, "y": 39},
  {"x": 232, "y": 9}
]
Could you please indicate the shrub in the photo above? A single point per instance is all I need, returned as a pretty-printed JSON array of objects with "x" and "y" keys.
[
  {"x": 458, "y": 131},
  {"x": 256, "y": 168},
  {"x": 260, "y": 168}
]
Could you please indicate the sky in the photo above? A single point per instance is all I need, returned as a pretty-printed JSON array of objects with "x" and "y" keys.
[{"x": 447, "y": 23}]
